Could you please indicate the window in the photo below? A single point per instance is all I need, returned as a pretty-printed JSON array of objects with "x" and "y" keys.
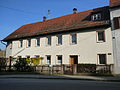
[
  {"x": 102, "y": 58},
  {"x": 21, "y": 43},
  {"x": 59, "y": 39},
  {"x": 48, "y": 59},
  {"x": 49, "y": 40},
  {"x": 100, "y": 36},
  {"x": 96, "y": 17},
  {"x": 116, "y": 22},
  {"x": 38, "y": 41},
  {"x": 73, "y": 38},
  {"x": 29, "y": 42},
  {"x": 10, "y": 44},
  {"x": 59, "y": 59}
]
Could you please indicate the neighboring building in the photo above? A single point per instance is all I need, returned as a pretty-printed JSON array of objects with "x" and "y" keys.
[
  {"x": 115, "y": 20},
  {"x": 81, "y": 37},
  {"x": 2, "y": 54}
]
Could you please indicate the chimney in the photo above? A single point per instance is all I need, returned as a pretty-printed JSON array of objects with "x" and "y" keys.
[
  {"x": 44, "y": 18},
  {"x": 74, "y": 10}
]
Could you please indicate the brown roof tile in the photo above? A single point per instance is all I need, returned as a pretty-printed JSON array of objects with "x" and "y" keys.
[
  {"x": 114, "y": 3},
  {"x": 65, "y": 23}
]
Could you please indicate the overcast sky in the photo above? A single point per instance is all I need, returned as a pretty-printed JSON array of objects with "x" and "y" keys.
[{"x": 15, "y": 13}]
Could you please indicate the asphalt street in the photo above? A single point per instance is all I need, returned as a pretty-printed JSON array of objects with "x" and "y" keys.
[{"x": 55, "y": 84}]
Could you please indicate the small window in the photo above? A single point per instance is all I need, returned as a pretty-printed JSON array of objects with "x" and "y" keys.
[
  {"x": 100, "y": 36},
  {"x": 73, "y": 38},
  {"x": 48, "y": 59},
  {"x": 21, "y": 43},
  {"x": 10, "y": 44},
  {"x": 49, "y": 40},
  {"x": 59, "y": 59},
  {"x": 96, "y": 17},
  {"x": 102, "y": 58},
  {"x": 38, "y": 41},
  {"x": 29, "y": 42},
  {"x": 116, "y": 22},
  {"x": 59, "y": 39}
]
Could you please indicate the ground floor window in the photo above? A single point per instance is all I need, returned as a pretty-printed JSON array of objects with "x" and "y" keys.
[
  {"x": 102, "y": 58},
  {"x": 48, "y": 59},
  {"x": 59, "y": 59}
]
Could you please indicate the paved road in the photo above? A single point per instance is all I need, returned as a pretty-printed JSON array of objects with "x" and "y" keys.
[{"x": 54, "y": 84}]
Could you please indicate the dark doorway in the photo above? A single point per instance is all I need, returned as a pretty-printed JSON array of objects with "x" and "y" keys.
[{"x": 73, "y": 59}]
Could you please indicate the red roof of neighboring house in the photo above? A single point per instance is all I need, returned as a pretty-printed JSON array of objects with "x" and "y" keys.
[
  {"x": 65, "y": 23},
  {"x": 114, "y": 3}
]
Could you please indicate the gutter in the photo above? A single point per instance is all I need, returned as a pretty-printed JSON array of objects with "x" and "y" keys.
[{"x": 3, "y": 43}]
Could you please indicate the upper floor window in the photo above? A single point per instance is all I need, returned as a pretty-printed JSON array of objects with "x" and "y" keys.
[
  {"x": 38, "y": 41},
  {"x": 49, "y": 40},
  {"x": 102, "y": 58},
  {"x": 74, "y": 38},
  {"x": 116, "y": 22},
  {"x": 59, "y": 39},
  {"x": 29, "y": 42},
  {"x": 100, "y": 36},
  {"x": 96, "y": 16},
  {"x": 21, "y": 43}
]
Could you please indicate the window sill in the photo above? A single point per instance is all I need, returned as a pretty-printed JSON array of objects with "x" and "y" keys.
[
  {"x": 58, "y": 44},
  {"x": 101, "y": 64},
  {"x": 73, "y": 43},
  {"x": 100, "y": 41}
]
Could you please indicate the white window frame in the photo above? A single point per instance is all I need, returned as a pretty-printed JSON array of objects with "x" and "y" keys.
[
  {"x": 48, "y": 62},
  {"x": 20, "y": 44},
  {"x": 100, "y": 41},
  {"x": 28, "y": 43},
  {"x": 59, "y": 43},
  {"x": 99, "y": 58},
  {"x": 47, "y": 40},
  {"x": 96, "y": 17},
  {"x": 71, "y": 39},
  {"x": 61, "y": 61},
  {"x": 37, "y": 42}
]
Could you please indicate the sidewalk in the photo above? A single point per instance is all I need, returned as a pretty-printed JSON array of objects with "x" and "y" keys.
[{"x": 67, "y": 77}]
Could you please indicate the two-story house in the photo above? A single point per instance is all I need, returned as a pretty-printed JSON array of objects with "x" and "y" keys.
[{"x": 81, "y": 37}]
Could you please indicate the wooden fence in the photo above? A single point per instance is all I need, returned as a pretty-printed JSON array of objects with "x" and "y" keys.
[{"x": 60, "y": 69}]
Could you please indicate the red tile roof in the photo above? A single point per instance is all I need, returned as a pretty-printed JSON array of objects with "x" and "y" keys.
[
  {"x": 114, "y": 3},
  {"x": 65, "y": 23}
]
